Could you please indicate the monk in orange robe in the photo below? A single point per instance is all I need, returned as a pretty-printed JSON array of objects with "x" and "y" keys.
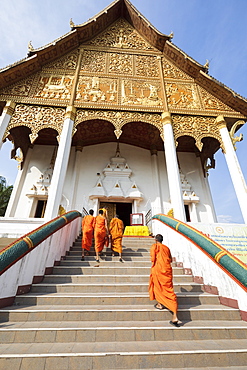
[
  {"x": 116, "y": 231},
  {"x": 160, "y": 283},
  {"x": 87, "y": 233},
  {"x": 100, "y": 233}
]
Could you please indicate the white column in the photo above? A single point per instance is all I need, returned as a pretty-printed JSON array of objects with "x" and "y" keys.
[
  {"x": 20, "y": 179},
  {"x": 76, "y": 175},
  {"x": 172, "y": 168},
  {"x": 60, "y": 168},
  {"x": 5, "y": 118},
  {"x": 233, "y": 167},
  {"x": 156, "y": 182}
]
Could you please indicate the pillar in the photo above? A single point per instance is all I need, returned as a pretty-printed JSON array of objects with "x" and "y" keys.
[
  {"x": 5, "y": 118},
  {"x": 233, "y": 167},
  {"x": 61, "y": 163},
  {"x": 75, "y": 180},
  {"x": 156, "y": 182},
  {"x": 172, "y": 168}
]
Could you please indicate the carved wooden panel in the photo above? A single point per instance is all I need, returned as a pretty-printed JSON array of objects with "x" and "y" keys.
[
  {"x": 197, "y": 127},
  {"x": 36, "y": 118},
  {"x": 182, "y": 95},
  {"x": 97, "y": 90},
  {"x": 93, "y": 61},
  {"x": 121, "y": 35}
]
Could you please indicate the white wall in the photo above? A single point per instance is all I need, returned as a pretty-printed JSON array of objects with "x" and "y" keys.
[{"x": 95, "y": 158}]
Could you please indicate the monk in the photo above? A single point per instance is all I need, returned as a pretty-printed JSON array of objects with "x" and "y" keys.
[
  {"x": 87, "y": 233},
  {"x": 160, "y": 283},
  {"x": 116, "y": 229},
  {"x": 100, "y": 233}
]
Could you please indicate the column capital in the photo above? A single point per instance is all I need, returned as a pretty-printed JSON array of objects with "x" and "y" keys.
[
  {"x": 9, "y": 107},
  {"x": 166, "y": 118},
  {"x": 70, "y": 112},
  {"x": 220, "y": 121}
]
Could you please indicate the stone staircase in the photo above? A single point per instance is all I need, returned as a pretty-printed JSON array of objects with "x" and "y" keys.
[{"x": 98, "y": 316}]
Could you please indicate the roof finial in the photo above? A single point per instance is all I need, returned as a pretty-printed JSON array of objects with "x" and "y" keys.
[
  {"x": 206, "y": 65},
  {"x": 171, "y": 35},
  {"x": 30, "y": 46},
  {"x": 71, "y": 23}
]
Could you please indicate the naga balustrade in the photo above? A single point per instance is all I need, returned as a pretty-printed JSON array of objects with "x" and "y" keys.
[
  {"x": 219, "y": 271},
  {"x": 29, "y": 258}
]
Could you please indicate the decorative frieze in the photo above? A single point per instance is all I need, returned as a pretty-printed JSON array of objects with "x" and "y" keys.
[
  {"x": 210, "y": 102},
  {"x": 182, "y": 95},
  {"x": 54, "y": 87},
  {"x": 93, "y": 61},
  {"x": 139, "y": 92},
  {"x": 121, "y": 35},
  {"x": 172, "y": 72},
  {"x": 97, "y": 90},
  {"x": 119, "y": 119},
  {"x": 20, "y": 89},
  {"x": 197, "y": 127},
  {"x": 68, "y": 62},
  {"x": 120, "y": 63},
  {"x": 146, "y": 66},
  {"x": 36, "y": 118}
]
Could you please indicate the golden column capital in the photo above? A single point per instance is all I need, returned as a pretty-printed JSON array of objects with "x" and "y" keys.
[
  {"x": 166, "y": 118},
  {"x": 220, "y": 121},
  {"x": 70, "y": 112},
  {"x": 9, "y": 107}
]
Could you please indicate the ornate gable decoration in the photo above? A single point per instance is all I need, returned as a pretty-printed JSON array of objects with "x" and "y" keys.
[{"x": 121, "y": 35}]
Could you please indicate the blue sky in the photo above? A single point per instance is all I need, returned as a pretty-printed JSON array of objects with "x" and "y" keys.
[{"x": 212, "y": 29}]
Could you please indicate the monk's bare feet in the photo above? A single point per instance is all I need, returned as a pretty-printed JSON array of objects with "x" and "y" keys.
[{"x": 159, "y": 306}]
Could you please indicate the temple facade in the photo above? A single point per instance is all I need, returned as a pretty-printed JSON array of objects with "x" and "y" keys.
[{"x": 114, "y": 115}]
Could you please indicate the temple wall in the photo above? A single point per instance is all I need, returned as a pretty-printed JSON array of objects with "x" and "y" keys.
[
  {"x": 82, "y": 177},
  {"x": 190, "y": 166}
]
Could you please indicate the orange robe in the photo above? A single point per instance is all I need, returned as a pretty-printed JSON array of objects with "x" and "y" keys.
[
  {"x": 116, "y": 230},
  {"x": 160, "y": 283},
  {"x": 87, "y": 231},
  {"x": 100, "y": 233}
]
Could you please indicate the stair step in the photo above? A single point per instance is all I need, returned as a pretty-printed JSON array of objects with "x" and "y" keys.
[
  {"x": 116, "y": 313},
  {"x": 112, "y": 331},
  {"x": 106, "y": 269},
  {"x": 119, "y": 355},
  {"x": 107, "y": 287},
  {"x": 114, "y": 298},
  {"x": 92, "y": 279}
]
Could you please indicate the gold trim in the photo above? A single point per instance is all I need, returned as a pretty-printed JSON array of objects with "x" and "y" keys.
[
  {"x": 220, "y": 121},
  {"x": 65, "y": 219},
  {"x": 28, "y": 241},
  {"x": 219, "y": 255},
  {"x": 166, "y": 118},
  {"x": 177, "y": 226},
  {"x": 70, "y": 112},
  {"x": 9, "y": 108}
]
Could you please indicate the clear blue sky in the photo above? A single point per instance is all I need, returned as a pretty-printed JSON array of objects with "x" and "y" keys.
[{"x": 212, "y": 29}]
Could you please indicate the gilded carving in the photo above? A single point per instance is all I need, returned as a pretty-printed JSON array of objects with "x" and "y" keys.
[
  {"x": 196, "y": 126},
  {"x": 120, "y": 63},
  {"x": 147, "y": 66},
  {"x": 182, "y": 95},
  {"x": 56, "y": 87},
  {"x": 212, "y": 103},
  {"x": 138, "y": 92},
  {"x": 172, "y": 72},
  {"x": 236, "y": 139},
  {"x": 119, "y": 119},
  {"x": 93, "y": 61},
  {"x": 20, "y": 89},
  {"x": 121, "y": 35},
  {"x": 97, "y": 89},
  {"x": 36, "y": 118},
  {"x": 68, "y": 62}
]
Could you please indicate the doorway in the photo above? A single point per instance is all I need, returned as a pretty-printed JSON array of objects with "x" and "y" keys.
[{"x": 123, "y": 210}]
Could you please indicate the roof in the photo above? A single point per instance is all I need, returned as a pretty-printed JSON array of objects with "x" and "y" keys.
[{"x": 82, "y": 33}]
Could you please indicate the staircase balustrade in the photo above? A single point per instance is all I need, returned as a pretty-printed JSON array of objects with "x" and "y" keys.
[
  {"x": 205, "y": 259},
  {"x": 27, "y": 258}
]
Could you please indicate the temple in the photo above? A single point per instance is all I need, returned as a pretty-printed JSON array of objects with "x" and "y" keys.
[{"x": 114, "y": 114}]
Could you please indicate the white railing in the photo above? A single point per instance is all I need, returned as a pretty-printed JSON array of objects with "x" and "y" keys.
[
  {"x": 34, "y": 264},
  {"x": 201, "y": 265}
]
